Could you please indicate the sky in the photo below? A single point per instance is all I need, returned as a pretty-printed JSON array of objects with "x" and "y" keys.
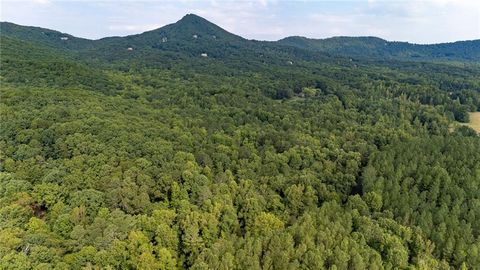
[{"x": 417, "y": 21}]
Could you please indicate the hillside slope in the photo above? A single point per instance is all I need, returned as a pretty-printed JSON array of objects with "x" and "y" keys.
[
  {"x": 193, "y": 36},
  {"x": 373, "y": 47}
]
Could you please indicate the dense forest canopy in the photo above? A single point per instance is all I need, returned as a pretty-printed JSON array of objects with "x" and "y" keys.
[
  {"x": 373, "y": 47},
  {"x": 191, "y": 147}
]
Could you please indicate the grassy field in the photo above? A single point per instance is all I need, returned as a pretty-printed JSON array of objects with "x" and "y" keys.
[{"x": 475, "y": 121}]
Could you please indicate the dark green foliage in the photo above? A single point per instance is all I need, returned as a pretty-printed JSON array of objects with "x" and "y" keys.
[
  {"x": 433, "y": 183},
  {"x": 373, "y": 47},
  {"x": 158, "y": 158}
]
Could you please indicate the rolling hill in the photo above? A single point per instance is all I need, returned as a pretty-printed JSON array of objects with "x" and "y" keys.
[
  {"x": 373, "y": 47},
  {"x": 194, "y": 36}
]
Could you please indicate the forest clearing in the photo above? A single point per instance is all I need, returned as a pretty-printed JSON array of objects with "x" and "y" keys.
[{"x": 475, "y": 121}]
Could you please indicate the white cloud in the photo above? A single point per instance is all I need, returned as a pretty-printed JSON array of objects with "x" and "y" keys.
[
  {"x": 133, "y": 27},
  {"x": 442, "y": 20},
  {"x": 430, "y": 21},
  {"x": 43, "y": 2},
  {"x": 421, "y": 21}
]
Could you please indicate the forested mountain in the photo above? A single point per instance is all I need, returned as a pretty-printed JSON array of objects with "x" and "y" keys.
[
  {"x": 42, "y": 36},
  {"x": 191, "y": 147},
  {"x": 190, "y": 28},
  {"x": 193, "y": 35},
  {"x": 373, "y": 47}
]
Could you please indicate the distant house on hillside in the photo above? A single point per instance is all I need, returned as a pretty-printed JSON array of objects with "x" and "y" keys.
[
  {"x": 130, "y": 49},
  {"x": 195, "y": 36},
  {"x": 204, "y": 55},
  {"x": 64, "y": 38},
  {"x": 164, "y": 39}
]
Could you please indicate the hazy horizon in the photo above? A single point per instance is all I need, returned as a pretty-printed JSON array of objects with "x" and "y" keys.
[
  {"x": 240, "y": 35},
  {"x": 420, "y": 22}
]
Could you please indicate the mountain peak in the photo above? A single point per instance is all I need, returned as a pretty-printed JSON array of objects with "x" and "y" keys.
[
  {"x": 193, "y": 18},
  {"x": 192, "y": 22},
  {"x": 192, "y": 25}
]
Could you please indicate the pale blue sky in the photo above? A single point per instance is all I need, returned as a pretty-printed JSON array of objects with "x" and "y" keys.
[{"x": 424, "y": 21}]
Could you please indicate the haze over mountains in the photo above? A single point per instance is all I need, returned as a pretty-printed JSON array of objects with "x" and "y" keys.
[
  {"x": 195, "y": 35},
  {"x": 373, "y": 47}
]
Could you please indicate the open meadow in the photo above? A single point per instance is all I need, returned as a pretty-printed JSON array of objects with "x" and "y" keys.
[{"x": 475, "y": 121}]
